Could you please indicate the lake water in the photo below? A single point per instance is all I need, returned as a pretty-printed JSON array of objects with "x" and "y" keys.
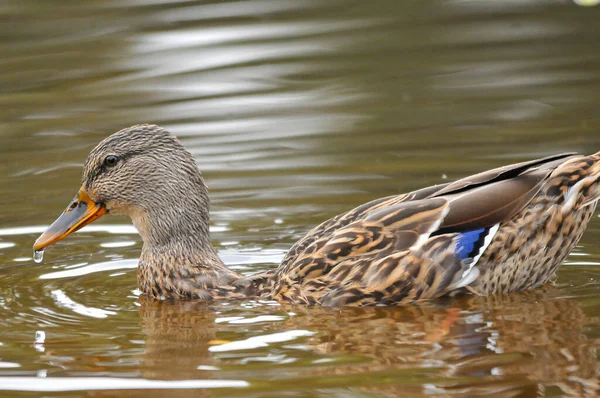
[{"x": 296, "y": 110}]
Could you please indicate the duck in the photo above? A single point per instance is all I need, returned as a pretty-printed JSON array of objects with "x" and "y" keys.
[{"x": 499, "y": 231}]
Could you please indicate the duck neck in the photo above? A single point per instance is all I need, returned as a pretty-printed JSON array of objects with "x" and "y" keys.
[{"x": 177, "y": 258}]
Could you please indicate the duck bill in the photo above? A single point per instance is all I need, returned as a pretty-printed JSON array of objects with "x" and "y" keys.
[{"x": 78, "y": 214}]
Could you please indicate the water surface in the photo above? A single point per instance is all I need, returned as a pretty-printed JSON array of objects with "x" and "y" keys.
[{"x": 295, "y": 110}]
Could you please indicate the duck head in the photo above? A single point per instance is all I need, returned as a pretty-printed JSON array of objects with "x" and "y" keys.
[{"x": 143, "y": 172}]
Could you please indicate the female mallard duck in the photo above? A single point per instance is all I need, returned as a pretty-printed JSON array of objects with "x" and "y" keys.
[{"x": 499, "y": 231}]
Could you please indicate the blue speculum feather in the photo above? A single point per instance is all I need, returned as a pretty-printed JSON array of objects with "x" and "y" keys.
[{"x": 470, "y": 242}]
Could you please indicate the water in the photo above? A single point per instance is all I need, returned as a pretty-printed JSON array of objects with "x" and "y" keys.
[
  {"x": 295, "y": 111},
  {"x": 38, "y": 256}
]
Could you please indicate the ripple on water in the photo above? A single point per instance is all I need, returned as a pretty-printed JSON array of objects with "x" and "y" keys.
[
  {"x": 261, "y": 341},
  {"x": 110, "y": 245},
  {"x": 241, "y": 320},
  {"x": 91, "y": 268},
  {"x": 108, "y": 383},
  {"x": 64, "y": 301}
]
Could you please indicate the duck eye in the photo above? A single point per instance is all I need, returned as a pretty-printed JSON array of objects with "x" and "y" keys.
[{"x": 111, "y": 160}]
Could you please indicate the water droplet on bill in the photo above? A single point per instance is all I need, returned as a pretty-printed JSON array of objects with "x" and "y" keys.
[{"x": 38, "y": 256}]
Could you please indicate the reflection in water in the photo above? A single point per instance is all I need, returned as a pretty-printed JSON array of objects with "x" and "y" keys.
[{"x": 513, "y": 344}]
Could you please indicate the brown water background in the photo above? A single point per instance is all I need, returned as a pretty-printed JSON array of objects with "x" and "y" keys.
[{"x": 296, "y": 110}]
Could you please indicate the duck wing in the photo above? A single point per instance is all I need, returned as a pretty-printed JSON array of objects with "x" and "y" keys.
[{"x": 409, "y": 247}]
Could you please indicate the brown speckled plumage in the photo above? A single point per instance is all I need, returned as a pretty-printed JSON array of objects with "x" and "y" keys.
[{"x": 392, "y": 250}]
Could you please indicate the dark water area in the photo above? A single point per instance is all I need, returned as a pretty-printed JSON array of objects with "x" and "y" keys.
[{"x": 295, "y": 110}]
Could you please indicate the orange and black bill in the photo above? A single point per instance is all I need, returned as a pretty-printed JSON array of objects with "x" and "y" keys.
[{"x": 78, "y": 214}]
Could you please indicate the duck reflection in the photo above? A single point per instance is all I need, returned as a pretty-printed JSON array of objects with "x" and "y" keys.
[{"x": 529, "y": 343}]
